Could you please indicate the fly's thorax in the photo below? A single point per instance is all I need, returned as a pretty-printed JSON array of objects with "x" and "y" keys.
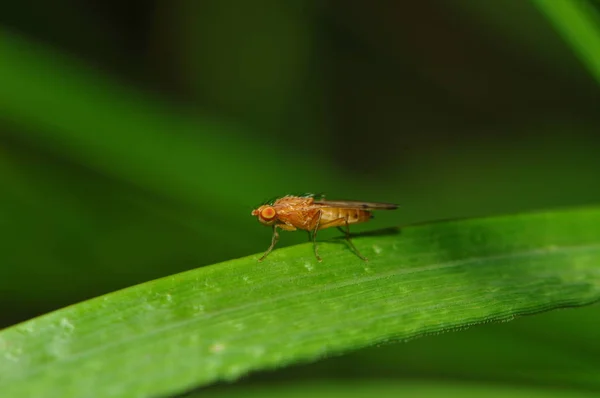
[{"x": 300, "y": 217}]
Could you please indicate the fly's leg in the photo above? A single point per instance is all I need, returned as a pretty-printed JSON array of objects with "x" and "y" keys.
[
  {"x": 313, "y": 234},
  {"x": 347, "y": 232},
  {"x": 274, "y": 240}
]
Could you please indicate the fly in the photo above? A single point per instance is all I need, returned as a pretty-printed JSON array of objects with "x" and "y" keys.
[{"x": 312, "y": 213}]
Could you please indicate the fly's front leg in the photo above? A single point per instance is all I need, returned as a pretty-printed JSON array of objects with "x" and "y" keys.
[
  {"x": 347, "y": 232},
  {"x": 274, "y": 240},
  {"x": 313, "y": 233}
]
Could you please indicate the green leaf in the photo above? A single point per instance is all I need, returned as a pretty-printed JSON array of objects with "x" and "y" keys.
[
  {"x": 140, "y": 139},
  {"x": 391, "y": 389},
  {"x": 223, "y": 321},
  {"x": 579, "y": 25}
]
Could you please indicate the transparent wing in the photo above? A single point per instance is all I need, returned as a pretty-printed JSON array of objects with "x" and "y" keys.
[{"x": 356, "y": 204}]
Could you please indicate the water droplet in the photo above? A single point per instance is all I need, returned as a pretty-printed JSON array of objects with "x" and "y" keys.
[{"x": 216, "y": 348}]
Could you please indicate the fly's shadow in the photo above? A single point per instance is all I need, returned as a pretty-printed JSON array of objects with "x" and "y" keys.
[{"x": 378, "y": 232}]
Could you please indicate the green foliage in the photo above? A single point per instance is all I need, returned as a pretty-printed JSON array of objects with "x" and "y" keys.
[
  {"x": 134, "y": 144},
  {"x": 578, "y": 22},
  {"x": 391, "y": 389},
  {"x": 220, "y": 322}
]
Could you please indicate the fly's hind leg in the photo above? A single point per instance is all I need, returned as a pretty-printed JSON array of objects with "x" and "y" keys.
[
  {"x": 274, "y": 240},
  {"x": 347, "y": 233},
  {"x": 313, "y": 234}
]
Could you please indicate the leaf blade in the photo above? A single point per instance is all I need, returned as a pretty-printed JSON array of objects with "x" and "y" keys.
[{"x": 219, "y": 322}]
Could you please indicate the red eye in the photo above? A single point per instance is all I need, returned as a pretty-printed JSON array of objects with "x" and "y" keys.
[{"x": 268, "y": 213}]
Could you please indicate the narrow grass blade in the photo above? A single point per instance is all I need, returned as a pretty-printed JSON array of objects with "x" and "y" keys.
[
  {"x": 391, "y": 389},
  {"x": 220, "y": 322},
  {"x": 579, "y": 24}
]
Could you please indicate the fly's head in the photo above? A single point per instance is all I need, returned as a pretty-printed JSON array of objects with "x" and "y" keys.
[{"x": 266, "y": 214}]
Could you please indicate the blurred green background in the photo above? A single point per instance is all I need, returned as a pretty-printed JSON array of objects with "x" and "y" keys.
[{"x": 136, "y": 137}]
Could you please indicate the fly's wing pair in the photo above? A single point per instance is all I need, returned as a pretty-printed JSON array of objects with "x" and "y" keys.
[{"x": 356, "y": 204}]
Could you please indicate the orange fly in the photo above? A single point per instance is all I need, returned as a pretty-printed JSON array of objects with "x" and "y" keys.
[{"x": 312, "y": 213}]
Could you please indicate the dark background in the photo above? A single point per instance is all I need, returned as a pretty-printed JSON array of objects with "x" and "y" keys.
[{"x": 136, "y": 137}]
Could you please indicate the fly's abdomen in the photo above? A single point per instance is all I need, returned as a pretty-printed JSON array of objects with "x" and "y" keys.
[{"x": 337, "y": 216}]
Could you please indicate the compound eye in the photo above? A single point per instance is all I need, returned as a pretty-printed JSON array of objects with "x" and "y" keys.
[{"x": 268, "y": 213}]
